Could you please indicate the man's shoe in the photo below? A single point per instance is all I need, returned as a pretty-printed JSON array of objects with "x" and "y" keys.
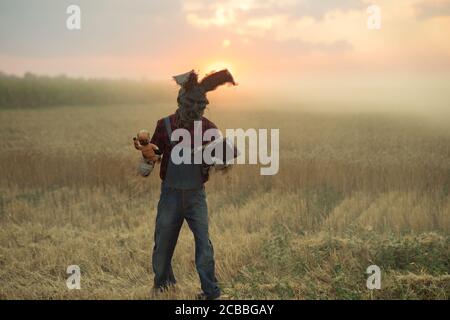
[
  {"x": 158, "y": 291},
  {"x": 203, "y": 296}
]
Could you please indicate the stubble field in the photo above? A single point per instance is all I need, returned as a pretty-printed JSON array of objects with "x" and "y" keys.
[{"x": 353, "y": 190}]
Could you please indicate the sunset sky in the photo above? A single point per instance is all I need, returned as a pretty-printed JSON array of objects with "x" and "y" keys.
[{"x": 265, "y": 40}]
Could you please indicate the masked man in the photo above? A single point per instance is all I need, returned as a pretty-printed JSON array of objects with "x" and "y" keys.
[{"x": 182, "y": 189}]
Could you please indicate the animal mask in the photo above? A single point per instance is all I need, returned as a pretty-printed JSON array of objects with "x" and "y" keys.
[{"x": 194, "y": 92}]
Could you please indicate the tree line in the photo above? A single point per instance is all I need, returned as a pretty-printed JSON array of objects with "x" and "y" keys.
[{"x": 33, "y": 91}]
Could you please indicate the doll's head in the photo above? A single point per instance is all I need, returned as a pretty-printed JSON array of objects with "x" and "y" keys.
[{"x": 143, "y": 137}]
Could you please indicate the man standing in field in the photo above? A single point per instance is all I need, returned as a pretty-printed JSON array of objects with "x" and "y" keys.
[{"x": 182, "y": 189}]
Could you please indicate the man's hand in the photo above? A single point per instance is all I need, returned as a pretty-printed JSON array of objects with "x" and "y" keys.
[{"x": 136, "y": 143}]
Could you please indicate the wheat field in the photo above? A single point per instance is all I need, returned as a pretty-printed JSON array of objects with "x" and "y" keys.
[{"x": 354, "y": 189}]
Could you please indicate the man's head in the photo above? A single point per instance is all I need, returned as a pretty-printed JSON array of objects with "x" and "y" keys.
[
  {"x": 192, "y": 99},
  {"x": 192, "y": 103}
]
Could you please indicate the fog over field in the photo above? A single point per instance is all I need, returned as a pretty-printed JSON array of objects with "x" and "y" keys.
[{"x": 354, "y": 189}]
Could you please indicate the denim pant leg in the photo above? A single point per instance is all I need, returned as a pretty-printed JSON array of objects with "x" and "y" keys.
[
  {"x": 169, "y": 220},
  {"x": 196, "y": 215}
]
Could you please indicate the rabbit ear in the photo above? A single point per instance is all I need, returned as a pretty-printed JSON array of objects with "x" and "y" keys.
[
  {"x": 187, "y": 80},
  {"x": 213, "y": 80}
]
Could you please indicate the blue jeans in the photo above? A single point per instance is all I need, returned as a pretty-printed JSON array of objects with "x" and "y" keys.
[{"x": 174, "y": 206}]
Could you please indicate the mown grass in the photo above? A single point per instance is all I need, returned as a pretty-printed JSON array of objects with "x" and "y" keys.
[{"x": 353, "y": 190}]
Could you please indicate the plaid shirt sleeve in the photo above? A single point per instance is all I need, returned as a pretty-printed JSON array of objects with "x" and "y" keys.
[
  {"x": 159, "y": 135},
  {"x": 159, "y": 138}
]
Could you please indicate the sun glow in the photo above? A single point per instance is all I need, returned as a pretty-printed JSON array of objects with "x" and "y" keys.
[{"x": 219, "y": 65}]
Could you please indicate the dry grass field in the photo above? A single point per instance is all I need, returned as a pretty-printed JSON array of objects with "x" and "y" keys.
[{"x": 354, "y": 189}]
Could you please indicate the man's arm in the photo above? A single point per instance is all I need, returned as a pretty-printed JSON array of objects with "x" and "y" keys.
[
  {"x": 158, "y": 136},
  {"x": 158, "y": 139}
]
